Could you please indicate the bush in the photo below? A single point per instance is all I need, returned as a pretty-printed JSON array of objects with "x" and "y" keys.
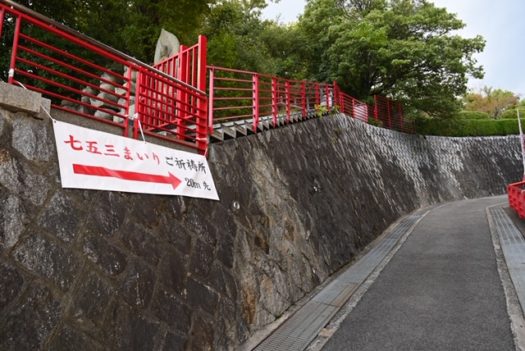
[
  {"x": 467, "y": 127},
  {"x": 472, "y": 115},
  {"x": 511, "y": 114}
]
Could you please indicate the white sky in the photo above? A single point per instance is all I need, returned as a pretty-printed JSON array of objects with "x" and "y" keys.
[{"x": 501, "y": 23}]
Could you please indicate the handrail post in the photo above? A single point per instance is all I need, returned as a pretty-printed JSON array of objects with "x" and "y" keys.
[
  {"x": 327, "y": 92},
  {"x": 400, "y": 114},
  {"x": 376, "y": 112},
  {"x": 317, "y": 94},
  {"x": 255, "y": 101},
  {"x": 2, "y": 16},
  {"x": 388, "y": 112},
  {"x": 275, "y": 101},
  {"x": 211, "y": 98},
  {"x": 139, "y": 102},
  {"x": 129, "y": 75},
  {"x": 303, "y": 99},
  {"x": 181, "y": 95},
  {"x": 14, "y": 52},
  {"x": 202, "y": 115},
  {"x": 288, "y": 101}
]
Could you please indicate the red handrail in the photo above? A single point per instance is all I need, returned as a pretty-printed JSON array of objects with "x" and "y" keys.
[{"x": 89, "y": 79}]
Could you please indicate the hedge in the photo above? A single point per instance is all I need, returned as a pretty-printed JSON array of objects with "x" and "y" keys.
[{"x": 467, "y": 127}]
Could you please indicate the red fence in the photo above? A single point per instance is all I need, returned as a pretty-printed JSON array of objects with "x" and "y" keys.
[
  {"x": 353, "y": 107},
  {"x": 236, "y": 95},
  {"x": 168, "y": 101},
  {"x": 87, "y": 78},
  {"x": 516, "y": 193}
]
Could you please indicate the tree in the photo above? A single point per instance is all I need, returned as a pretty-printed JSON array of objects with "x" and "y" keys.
[
  {"x": 491, "y": 101},
  {"x": 239, "y": 38},
  {"x": 402, "y": 48},
  {"x": 131, "y": 26}
]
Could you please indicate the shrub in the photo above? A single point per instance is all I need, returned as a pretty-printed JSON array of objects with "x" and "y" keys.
[
  {"x": 472, "y": 115},
  {"x": 467, "y": 127}
]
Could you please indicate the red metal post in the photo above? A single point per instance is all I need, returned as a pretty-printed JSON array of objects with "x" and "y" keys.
[
  {"x": 181, "y": 104},
  {"x": 388, "y": 111},
  {"x": 376, "y": 111},
  {"x": 211, "y": 97},
  {"x": 255, "y": 102},
  {"x": 327, "y": 92},
  {"x": 202, "y": 115},
  {"x": 2, "y": 15},
  {"x": 353, "y": 108},
  {"x": 335, "y": 91},
  {"x": 400, "y": 114},
  {"x": 275, "y": 101},
  {"x": 14, "y": 52},
  {"x": 127, "y": 103},
  {"x": 139, "y": 103},
  {"x": 288, "y": 101},
  {"x": 317, "y": 94},
  {"x": 303, "y": 99}
]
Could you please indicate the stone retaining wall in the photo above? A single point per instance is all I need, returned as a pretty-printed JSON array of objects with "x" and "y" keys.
[{"x": 93, "y": 270}]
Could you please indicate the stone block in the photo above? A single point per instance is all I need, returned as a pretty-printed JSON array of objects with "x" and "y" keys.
[
  {"x": 225, "y": 250},
  {"x": 32, "y": 138},
  {"x": 129, "y": 331},
  {"x": 106, "y": 256},
  {"x": 4, "y": 122},
  {"x": 168, "y": 308},
  {"x": 202, "y": 333},
  {"x": 90, "y": 301},
  {"x": 173, "y": 271},
  {"x": 19, "y": 178},
  {"x": 174, "y": 342},
  {"x": 141, "y": 241},
  {"x": 46, "y": 259},
  {"x": 177, "y": 235},
  {"x": 137, "y": 284},
  {"x": 201, "y": 259},
  {"x": 11, "y": 283},
  {"x": 61, "y": 217},
  {"x": 13, "y": 219},
  {"x": 68, "y": 339},
  {"x": 106, "y": 213},
  {"x": 28, "y": 326},
  {"x": 14, "y": 98},
  {"x": 201, "y": 296}
]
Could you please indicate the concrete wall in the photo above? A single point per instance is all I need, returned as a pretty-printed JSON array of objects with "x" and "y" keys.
[{"x": 90, "y": 270}]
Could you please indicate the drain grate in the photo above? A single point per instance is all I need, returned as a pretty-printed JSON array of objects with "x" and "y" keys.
[
  {"x": 302, "y": 327},
  {"x": 513, "y": 246}
]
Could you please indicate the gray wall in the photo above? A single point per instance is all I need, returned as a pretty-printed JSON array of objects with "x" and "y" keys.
[{"x": 90, "y": 270}]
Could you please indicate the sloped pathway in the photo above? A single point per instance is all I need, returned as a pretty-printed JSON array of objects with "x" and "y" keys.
[{"x": 441, "y": 291}]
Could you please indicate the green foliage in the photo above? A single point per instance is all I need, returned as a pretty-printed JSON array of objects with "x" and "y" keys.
[
  {"x": 471, "y": 115},
  {"x": 491, "y": 101},
  {"x": 403, "y": 48},
  {"x": 512, "y": 114},
  {"x": 238, "y": 38},
  {"x": 131, "y": 26},
  {"x": 467, "y": 127}
]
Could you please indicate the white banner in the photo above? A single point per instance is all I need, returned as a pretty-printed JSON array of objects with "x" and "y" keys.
[{"x": 90, "y": 159}]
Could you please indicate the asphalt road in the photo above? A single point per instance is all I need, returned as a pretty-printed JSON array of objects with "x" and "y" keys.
[{"x": 441, "y": 291}]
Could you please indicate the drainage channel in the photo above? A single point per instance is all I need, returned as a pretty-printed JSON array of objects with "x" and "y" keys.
[
  {"x": 304, "y": 325},
  {"x": 513, "y": 246}
]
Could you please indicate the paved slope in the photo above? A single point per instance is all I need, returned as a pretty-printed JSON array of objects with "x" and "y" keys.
[{"x": 440, "y": 292}]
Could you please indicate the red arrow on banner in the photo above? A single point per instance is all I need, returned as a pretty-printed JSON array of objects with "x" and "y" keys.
[{"x": 140, "y": 177}]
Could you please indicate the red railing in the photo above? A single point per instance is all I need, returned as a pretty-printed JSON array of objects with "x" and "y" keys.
[
  {"x": 168, "y": 101},
  {"x": 89, "y": 79},
  {"x": 516, "y": 194},
  {"x": 236, "y": 95},
  {"x": 353, "y": 107}
]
